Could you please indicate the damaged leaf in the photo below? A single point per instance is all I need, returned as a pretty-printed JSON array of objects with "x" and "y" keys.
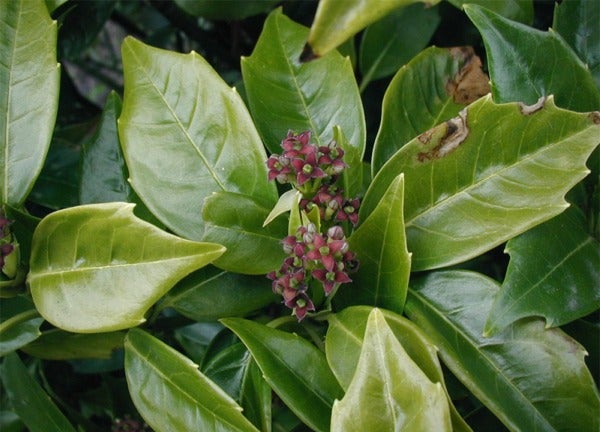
[{"x": 485, "y": 176}]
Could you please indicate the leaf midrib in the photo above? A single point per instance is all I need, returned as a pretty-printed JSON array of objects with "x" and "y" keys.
[
  {"x": 183, "y": 391},
  {"x": 176, "y": 118},
  {"x": 483, "y": 355}
]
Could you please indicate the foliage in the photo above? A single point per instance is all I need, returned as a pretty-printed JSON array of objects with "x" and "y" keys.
[{"x": 235, "y": 216}]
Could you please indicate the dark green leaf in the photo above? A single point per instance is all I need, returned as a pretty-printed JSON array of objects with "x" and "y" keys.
[
  {"x": 577, "y": 22},
  {"x": 530, "y": 377},
  {"x": 284, "y": 94},
  {"x": 228, "y": 368},
  {"x": 171, "y": 394},
  {"x": 29, "y": 77},
  {"x": 80, "y": 26},
  {"x": 60, "y": 345},
  {"x": 29, "y": 400},
  {"x": 85, "y": 258},
  {"x": 57, "y": 186},
  {"x": 257, "y": 398},
  {"x": 229, "y": 10},
  {"x": 432, "y": 88},
  {"x": 195, "y": 338},
  {"x": 553, "y": 272},
  {"x": 543, "y": 64},
  {"x": 295, "y": 369},
  {"x": 103, "y": 171},
  {"x": 19, "y": 330},
  {"x": 516, "y": 10},
  {"x": 209, "y": 294},
  {"x": 344, "y": 340},
  {"x": 236, "y": 221},
  {"x": 185, "y": 135},
  {"x": 486, "y": 176},
  {"x": 380, "y": 245},
  {"x": 388, "y": 391},
  {"x": 395, "y": 39}
]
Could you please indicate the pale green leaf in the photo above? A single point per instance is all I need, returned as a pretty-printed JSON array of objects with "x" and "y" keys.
[
  {"x": 171, "y": 394},
  {"x": 531, "y": 378},
  {"x": 84, "y": 259},
  {"x": 286, "y": 201},
  {"x": 186, "y": 134},
  {"x": 284, "y": 94},
  {"x": 553, "y": 272},
  {"x": 336, "y": 21},
  {"x": 486, "y": 176},
  {"x": 389, "y": 392},
  {"x": 345, "y": 338},
  {"x": 29, "y": 78}
]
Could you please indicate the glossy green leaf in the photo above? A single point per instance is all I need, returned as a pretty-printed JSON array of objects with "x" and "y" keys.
[
  {"x": 227, "y": 369},
  {"x": 380, "y": 245},
  {"x": 287, "y": 200},
  {"x": 171, "y": 394},
  {"x": 530, "y": 377},
  {"x": 553, "y": 272},
  {"x": 236, "y": 221},
  {"x": 432, "y": 88},
  {"x": 235, "y": 371},
  {"x": 29, "y": 400},
  {"x": 344, "y": 341},
  {"x": 392, "y": 41},
  {"x": 516, "y": 10},
  {"x": 57, "y": 186},
  {"x": 85, "y": 258},
  {"x": 186, "y": 134},
  {"x": 336, "y": 21},
  {"x": 57, "y": 344},
  {"x": 29, "y": 77},
  {"x": 226, "y": 10},
  {"x": 486, "y": 176},
  {"x": 257, "y": 398},
  {"x": 389, "y": 392},
  {"x": 577, "y": 22},
  {"x": 19, "y": 330},
  {"x": 284, "y": 94},
  {"x": 544, "y": 64},
  {"x": 103, "y": 171},
  {"x": 210, "y": 293},
  {"x": 294, "y": 368},
  {"x": 353, "y": 178}
]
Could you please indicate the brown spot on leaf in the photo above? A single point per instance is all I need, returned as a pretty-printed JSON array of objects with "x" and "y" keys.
[
  {"x": 530, "y": 109},
  {"x": 595, "y": 115},
  {"x": 470, "y": 83},
  {"x": 444, "y": 138}
]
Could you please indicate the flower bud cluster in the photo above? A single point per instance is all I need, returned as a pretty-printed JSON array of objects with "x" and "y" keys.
[
  {"x": 305, "y": 165},
  {"x": 314, "y": 260},
  {"x": 332, "y": 205},
  {"x": 6, "y": 247},
  {"x": 312, "y": 256}
]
